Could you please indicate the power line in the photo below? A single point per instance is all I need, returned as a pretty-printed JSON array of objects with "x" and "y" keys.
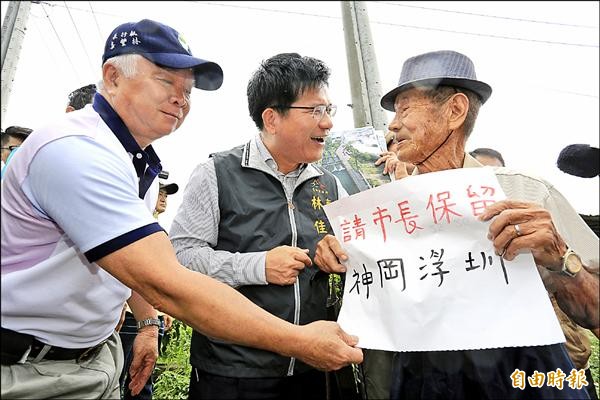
[
  {"x": 383, "y": 23},
  {"x": 487, "y": 15},
  {"x": 408, "y": 26},
  {"x": 266, "y": 9},
  {"x": 60, "y": 41},
  {"x": 82, "y": 9},
  {"x": 96, "y": 20},
  {"x": 80, "y": 39},
  {"x": 486, "y": 35},
  {"x": 37, "y": 27}
]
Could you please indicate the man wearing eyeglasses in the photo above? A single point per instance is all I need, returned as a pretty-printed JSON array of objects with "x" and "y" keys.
[
  {"x": 251, "y": 218},
  {"x": 12, "y": 138}
]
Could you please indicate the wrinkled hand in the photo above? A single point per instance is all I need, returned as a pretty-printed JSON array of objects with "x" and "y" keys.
[
  {"x": 392, "y": 165},
  {"x": 145, "y": 353},
  {"x": 284, "y": 264},
  {"x": 328, "y": 255},
  {"x": 538, "y": 232},
  {"x": 327, "y": 347}
]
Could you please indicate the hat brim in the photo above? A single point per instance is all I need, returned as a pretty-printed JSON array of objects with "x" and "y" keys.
[
  {"x": 207, "y": 74},
  {"x": 483, "y": 90},
  {"x": 170, "y": 189}
]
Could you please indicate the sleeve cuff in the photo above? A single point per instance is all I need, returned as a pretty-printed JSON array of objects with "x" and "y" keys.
[
  {"x": 119, "y": 242},
  {"x": 251, "y": 269}
]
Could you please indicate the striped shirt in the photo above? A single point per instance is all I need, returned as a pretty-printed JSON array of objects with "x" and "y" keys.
[{"x": 195, "y": 228}]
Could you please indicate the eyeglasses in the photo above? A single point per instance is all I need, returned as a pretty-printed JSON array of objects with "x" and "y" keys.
[
  {"x": 11, "y": 148},
  {"x": 318, "y": 112}
]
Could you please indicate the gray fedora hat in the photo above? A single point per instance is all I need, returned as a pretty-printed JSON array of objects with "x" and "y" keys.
[{"x": 435, "y": 69}]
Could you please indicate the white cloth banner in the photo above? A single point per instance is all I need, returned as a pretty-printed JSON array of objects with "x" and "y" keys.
[{"x": 422, "y": 275}]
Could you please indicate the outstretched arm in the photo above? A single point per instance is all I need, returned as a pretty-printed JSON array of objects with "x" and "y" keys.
[{"x": 149, "y": 266}]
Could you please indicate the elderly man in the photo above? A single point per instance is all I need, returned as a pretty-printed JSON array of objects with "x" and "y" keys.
[
  {"x": 251, "y": 218},
  {"x": 78, "y": 233},
  {"x": 577, "y": 342},
  {"x": 436, "y": 104}
]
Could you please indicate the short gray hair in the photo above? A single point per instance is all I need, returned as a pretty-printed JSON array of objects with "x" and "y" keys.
[
  {"x": 126, "y": 63},
  {"x": 442, "y": 93}
]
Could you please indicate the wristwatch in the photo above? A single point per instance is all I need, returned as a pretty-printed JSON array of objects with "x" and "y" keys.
[
  {"x": 148, "y": 322},
  {"x": 571, "y": 263}
]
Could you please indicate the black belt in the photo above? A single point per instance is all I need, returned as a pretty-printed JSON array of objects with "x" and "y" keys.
[{"x": 15, "y": 346}]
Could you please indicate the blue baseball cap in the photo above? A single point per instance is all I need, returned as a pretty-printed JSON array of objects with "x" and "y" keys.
[{"x": 163, "y": 46}]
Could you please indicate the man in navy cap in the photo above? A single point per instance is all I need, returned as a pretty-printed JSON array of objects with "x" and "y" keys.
[
  {"x": 436, "y": 104},
  {"x": 79, "y": 238}
]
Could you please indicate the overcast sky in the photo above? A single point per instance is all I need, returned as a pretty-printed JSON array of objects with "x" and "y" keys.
[{"x": 541, "y": 59}]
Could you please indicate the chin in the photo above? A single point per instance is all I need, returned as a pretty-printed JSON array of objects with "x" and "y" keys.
[
  {"x": 408, "y": 156},
  {"x": 316, "y": 158}
]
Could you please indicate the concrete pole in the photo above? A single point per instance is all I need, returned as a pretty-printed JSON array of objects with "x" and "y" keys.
[
  {"x": 365, "y": 85},
  {"x": 13, "y": 32}
]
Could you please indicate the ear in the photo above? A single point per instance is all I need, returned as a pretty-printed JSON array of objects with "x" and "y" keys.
[
  {"x": 69, "y": 109},
  {"x": 458, "y": 107},
  {"x": 270, "y": 119},
  {"x": 110, "y": 77}
]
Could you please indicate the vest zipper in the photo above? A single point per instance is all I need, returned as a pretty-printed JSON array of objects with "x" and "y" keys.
[{"x": 291, "y": 208}]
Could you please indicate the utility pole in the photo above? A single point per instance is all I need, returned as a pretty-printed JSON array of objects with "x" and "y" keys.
[
  {"x": 366, "y": 93},
  {"x": 365, "y": 85},
  {"x": 13, "y": 32}
]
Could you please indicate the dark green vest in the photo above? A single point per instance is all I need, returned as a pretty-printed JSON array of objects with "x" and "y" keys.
[{"x": 255, "y": 216}]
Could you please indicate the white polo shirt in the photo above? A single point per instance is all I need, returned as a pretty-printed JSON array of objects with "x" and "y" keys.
[{"x": 70, "y": 197}]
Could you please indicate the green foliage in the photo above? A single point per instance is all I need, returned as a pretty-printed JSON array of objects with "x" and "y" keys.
[
  {"x": 595, "y": 361},
  {"x": 172, "y": 373}
]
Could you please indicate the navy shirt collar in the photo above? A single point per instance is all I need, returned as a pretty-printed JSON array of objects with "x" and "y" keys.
[{"x": 146, "y": 162}]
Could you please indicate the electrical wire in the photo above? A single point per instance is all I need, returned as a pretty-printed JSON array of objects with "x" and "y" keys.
[
  {"x": 550, "y": 42},
  {"x": 80, "y": 39},
  {"x": 486, "y": 35},
  {"x": 486, "y": 15},
  {"x": 60, "y": 41},
  {"x": 37, "y": 27},
  {"x": 406, "y": 26},
  {"x": 96, "y": 20}
]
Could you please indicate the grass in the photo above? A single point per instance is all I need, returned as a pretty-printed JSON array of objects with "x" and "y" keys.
[
  {"x": 172, "y": 372},
  {"x": 173, "y": 367}
]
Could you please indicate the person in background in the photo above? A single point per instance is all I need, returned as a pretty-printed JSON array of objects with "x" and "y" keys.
[
  {"x": 489, "y": 157},
  {"x": 391, "y": 142},
  {"x": 251, "y": 217},
  {"x": 577, "y": 341},
  {"x": 436, "y": 104},
  {"x": 392, "y": 163},
  {"x": 581, "y": 160},
  {"x": 11, "y": 139},
  {"x": 77, "y": 243},
  {"x": 165, "y": 190},
  {"x": 81, "y": 97}
]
